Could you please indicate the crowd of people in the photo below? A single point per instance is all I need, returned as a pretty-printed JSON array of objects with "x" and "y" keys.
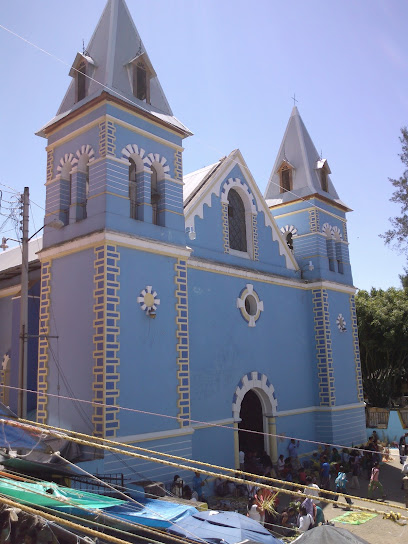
[{"x": 329, "y": 469}]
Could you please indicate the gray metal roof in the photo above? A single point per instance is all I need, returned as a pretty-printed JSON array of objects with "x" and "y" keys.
[
  {"x": 297, "y": 148},
  {"x": 10, "y": 260},
  {"x": 114, "y": 43},
  {"x": 195, "y": 180}
]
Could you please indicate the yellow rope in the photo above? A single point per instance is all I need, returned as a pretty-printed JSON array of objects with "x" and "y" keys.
[
  {"x": 51, "y": 517},
  {"x": 96, "y": 511},
  {"x": 210, "y": 473},
  {"x": 201, "y": 463}
]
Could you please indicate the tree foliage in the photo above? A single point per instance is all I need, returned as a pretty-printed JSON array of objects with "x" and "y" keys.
[
  {"x": 383, "y": 335},
  {"x": 398, "y": 234}
]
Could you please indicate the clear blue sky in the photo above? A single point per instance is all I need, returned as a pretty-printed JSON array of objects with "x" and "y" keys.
[{"x": 229, "y": 69}]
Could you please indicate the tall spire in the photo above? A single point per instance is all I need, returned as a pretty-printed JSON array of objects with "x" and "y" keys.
[
  {"x": 299, "y": 153},
  {"x": 114, "y": 44}
]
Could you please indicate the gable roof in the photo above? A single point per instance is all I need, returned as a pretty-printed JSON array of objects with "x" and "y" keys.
[
  {"x": 202, "y": 184},
  {"x": 298, "y": 149},
  {"x": 115, "y": 44},
  {"x": 194, "y": 181}
]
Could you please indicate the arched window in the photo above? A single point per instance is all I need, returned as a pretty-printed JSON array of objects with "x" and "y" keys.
[
  {"x": 66, "y": 191},
  {"x": 285, "y": 176},
  {"x": 81, "y": 81},
  {"x": 155, "y": 197},
  {"x": 289, "y": 240},
  {"x": 86, "y": 192},
  {"x": 132, "y": 189},
  {"x": 141, "y": 82},
  {"x": 339, "y": 257},
  {"x": 236, "y": 222}
]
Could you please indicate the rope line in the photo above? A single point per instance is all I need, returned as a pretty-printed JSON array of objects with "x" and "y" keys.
[
  {"x": 215, "y": 474},
  {"x": 207, "y": 424},
  {"x": 204, "y": 464},
  {"x": 76, "y": 526},
  {"x": 95, "y": 511}
]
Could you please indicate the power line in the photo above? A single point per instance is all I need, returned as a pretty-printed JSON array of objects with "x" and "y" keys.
[
  {"x": 206, "y": 423},
  {"x": 115, "y": 92},
  {"x": 211, "y": 473}
]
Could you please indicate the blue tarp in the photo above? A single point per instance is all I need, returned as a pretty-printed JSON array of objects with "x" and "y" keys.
[
  {"x": 222, "y": 528},
  {"x": 151, "y": 512},
  {"x": 18, "y": 437}
]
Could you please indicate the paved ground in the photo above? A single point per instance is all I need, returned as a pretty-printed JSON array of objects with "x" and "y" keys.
[
  {"x": 379, "y": 530},
  {"x": 375, "y": 531}
]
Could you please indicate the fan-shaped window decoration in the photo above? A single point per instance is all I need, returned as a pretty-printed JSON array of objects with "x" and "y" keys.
[
  {"x": 155, "y": 197},
  {"x": 132, "y": 189},
  {"x": 236, "y": 222},
  {"x": 289, "y": 231}
]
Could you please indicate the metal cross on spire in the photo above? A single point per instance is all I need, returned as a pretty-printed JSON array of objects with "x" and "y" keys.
[{"x": 294, "y": 99}]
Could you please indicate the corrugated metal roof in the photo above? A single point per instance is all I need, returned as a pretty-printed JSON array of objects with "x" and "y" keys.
[
  {"x": 115, "y": 41},
  {"x": 298, "y": 148},
  {"x": 10, "y": 260},
  {"x": 194, "y": 180}
]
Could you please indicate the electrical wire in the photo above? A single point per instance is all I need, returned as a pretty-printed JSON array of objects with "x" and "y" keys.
[
  {"x": 199, "y": 422},
  {"x": 115, "y": 92},
  {"x": 206, "y": 471}
]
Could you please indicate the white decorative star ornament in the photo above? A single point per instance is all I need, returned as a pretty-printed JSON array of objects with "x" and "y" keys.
[
  {"x": 148, "y": 299},
  {"x": 341, "y": 323}
]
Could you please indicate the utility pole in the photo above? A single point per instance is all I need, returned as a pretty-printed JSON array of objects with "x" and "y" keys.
[{"x": 22, "y": 367}]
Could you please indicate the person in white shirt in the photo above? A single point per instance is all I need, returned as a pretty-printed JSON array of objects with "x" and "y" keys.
[
  {"x": 305, "y": 520},
  {"x": 241, "y": 460},
  {"x": 312, "y": 489},
  {"x": 254, "y": 511}
]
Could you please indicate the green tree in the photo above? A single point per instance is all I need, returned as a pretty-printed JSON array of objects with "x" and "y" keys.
[
  {"x": 383, "y": 335},
  {"x": 398, "y": 234}
]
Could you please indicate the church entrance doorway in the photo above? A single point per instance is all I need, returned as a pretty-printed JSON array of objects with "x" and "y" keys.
[
  {"x": 252, "y": 419},
  {"x": 254, "y": 409}
]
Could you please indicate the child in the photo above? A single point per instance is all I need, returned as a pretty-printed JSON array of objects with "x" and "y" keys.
[
  {"x": 341, "y": 482},
  {"x": 375, "y": 482},
  {"x": 306, "y": 521}
]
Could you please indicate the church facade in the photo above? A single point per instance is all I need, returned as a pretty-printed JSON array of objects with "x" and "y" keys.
[{"x": 170, "y": 311}]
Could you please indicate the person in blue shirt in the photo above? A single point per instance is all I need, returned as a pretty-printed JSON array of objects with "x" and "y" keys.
[
  {"x": 293, "y": 448},
  {"x": 341, "y": 487},
  {"x": 198, "y": 483},
  {"x": 325, "y": 474}
]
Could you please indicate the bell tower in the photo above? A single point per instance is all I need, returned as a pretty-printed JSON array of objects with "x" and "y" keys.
[
  {"x": 114, "y": 155},
  {"x": 307, "y": 208},
  {"x": 114, "y": 178}
]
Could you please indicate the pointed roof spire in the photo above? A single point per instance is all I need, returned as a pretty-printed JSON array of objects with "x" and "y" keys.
[
  {"x": 298, "y": 150},
  {"x": 113, "y": 49}
]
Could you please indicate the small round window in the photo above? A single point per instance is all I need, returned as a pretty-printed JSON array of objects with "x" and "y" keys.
[{"x": 250, "y": 305}]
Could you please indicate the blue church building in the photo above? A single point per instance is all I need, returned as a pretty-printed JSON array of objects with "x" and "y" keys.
[{"x": 175, "y": 311}]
